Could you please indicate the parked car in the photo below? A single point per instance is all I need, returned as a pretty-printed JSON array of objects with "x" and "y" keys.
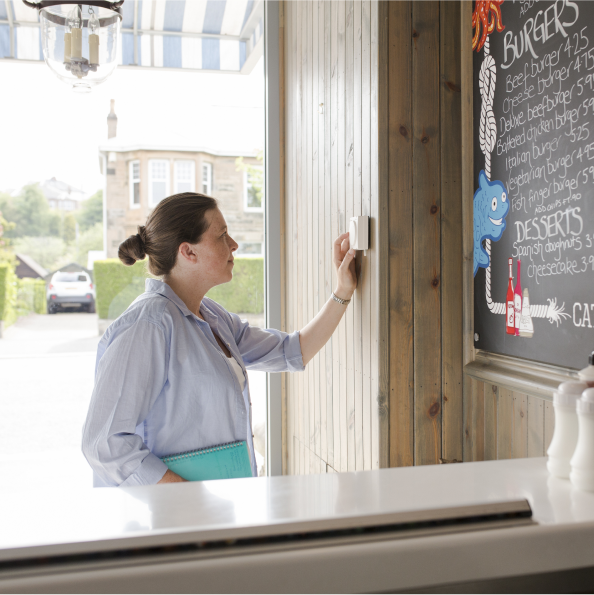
[{"x": 70, "y": 291}]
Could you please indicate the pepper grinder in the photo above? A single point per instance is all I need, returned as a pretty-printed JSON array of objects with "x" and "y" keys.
[
  {"x": 582, "y": 462},
  {"x": 587, "y": 374},
  {"x": 565, "y": 436}
]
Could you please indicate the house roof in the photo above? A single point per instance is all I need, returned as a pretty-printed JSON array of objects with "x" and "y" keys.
[
  {"x": 56, "y": 189},
  {"x": 205, "y": 142},
  {"x": 32, "y": 264}
]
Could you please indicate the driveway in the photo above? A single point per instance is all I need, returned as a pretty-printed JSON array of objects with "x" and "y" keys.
[{"x": 47, "y": 366}]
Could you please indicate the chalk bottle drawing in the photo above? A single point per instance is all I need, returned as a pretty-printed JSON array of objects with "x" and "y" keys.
[
  {"x": 510, "y": 326},
  {"x": 526, "y": 326},
  {"x": 518, "y": 301}
]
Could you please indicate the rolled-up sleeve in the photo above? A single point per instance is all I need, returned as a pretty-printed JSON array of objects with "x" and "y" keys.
[
  {"x": 129, "y": 378},
  {"x": 267, "y": 350}
]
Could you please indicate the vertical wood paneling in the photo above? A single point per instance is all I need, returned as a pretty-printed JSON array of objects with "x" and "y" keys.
[
  {"x": 322, "y": 254},
  {"x": 426, "y": 232},
  {"x": 355, "y": 164},
  {"x": 451, "y": 238},
  {"x": 349, "y": 212},
  {"x": 364, "y": 275},
  {"x": 474, "y": 429},
  {"x": 400, "y": 235},
  {"x": 504, "y": 424},
  {"x": 339, "y": 429},
  {"x": 328, "y": 219},
  {"x": 315, "y": 220},
  {"x": 535, "y": 427},
  {"x": 332, "y": 148},
  {"x": 519, "y": 426},
  {"x": 491, "y": 398}
]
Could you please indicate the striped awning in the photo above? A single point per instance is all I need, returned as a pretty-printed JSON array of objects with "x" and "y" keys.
[{"x": 206, "y": 35}]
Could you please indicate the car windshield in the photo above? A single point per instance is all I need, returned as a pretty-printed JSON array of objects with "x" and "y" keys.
[{"x": 69, "y": 278}]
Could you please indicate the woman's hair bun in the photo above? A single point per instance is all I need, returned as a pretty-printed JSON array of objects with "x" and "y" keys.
[{"x": 133, "y": 248}]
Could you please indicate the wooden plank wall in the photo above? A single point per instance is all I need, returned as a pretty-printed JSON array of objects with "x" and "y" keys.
[
  {"x": 333, "y": 413},
  {"x": 425, "y": 231}
]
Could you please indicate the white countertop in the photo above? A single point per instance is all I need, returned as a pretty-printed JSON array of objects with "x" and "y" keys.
[
  {"x": 50, "y": 523},
  {"x": 47, "y": 522}
]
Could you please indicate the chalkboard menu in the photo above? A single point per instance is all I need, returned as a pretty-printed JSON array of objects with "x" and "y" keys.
[{"x": 534, "y": 179}]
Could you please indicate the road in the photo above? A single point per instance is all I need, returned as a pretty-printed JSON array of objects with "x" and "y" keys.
[{"x": 47, "y": 366}]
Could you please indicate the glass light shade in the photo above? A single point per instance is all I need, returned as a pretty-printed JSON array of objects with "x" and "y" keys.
[{"x": 60, "y": 39}]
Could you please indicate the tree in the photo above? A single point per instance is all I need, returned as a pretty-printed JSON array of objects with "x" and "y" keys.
[
  {"x": 5, "y": 254},
  {"x": 29, "y": 211},
  {"x": 91, "y": 211},
  {"x": 69, "y": 228},
  {"x": 255, "y": 180}
]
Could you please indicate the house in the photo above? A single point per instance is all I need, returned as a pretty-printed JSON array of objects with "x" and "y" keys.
[
  {"x": 27, "y": 267},
  {"x": 142, "y": 169},
  {"x": 62, "y": 196}
]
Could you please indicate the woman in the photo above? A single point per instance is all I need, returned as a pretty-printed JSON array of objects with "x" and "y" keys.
[{"x": 170, "y": 373}]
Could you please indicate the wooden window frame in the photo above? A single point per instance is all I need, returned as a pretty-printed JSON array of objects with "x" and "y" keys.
[{"x": 152, "y": 203}]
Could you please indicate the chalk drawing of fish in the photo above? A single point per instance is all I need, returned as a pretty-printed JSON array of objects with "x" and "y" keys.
[{"x": 490, "y": 207}]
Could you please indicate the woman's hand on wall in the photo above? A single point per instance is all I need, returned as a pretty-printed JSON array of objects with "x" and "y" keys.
[
  {"x": 344, "y": 264},
  {"x": 315, "y": 334}
]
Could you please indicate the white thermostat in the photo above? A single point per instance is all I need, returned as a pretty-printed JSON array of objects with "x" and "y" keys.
[{"x": 359, "y": 232}]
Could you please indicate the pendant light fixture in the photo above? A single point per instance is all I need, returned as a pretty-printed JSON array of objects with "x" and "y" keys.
[{"x": 80, "y": 40}]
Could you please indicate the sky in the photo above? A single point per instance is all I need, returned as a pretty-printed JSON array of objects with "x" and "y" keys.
[{"x": 48, "y": 131}]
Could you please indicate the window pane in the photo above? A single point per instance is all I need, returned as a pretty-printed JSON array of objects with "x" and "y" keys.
[
  {"x": 136, "y": 171},
  {"x": 136, "y": 195},
  {"x": 159, "y": 191},
  {"x": 184, "y": 187}
]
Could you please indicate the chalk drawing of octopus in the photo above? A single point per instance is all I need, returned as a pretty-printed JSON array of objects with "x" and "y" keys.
[
  {"x": 490, "y": 207},
  {"x": 488, "y": 14}
]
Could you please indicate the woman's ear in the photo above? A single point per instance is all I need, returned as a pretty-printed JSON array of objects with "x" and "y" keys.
[{"x": 187, "y": 252}]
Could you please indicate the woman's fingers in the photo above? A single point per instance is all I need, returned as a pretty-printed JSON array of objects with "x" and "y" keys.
[{"x": 337, "y": 249}]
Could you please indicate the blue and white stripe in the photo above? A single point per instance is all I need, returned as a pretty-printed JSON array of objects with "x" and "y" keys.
[{"x": 212, "y": 35}]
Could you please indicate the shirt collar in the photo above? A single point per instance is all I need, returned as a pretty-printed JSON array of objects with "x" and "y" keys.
[{"x": 160, "y": 287}]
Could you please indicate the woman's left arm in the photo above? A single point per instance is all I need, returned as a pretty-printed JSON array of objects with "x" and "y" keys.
[{"x": 317, "y": 332}]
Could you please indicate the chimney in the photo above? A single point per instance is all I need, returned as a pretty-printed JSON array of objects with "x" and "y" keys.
[{"x": 112, "y": 121}]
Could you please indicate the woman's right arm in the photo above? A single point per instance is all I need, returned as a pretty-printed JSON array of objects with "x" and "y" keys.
[{"x": 129, "y": 378}]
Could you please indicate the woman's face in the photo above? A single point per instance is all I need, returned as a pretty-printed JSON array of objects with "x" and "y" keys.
[{"x": 215, "y": 250}]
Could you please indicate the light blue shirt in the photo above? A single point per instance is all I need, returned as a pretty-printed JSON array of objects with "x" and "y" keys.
[{"x": 163, "y": 384}]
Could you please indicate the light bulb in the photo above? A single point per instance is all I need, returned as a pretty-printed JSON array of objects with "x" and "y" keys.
[{"x": 93, "y": 24}]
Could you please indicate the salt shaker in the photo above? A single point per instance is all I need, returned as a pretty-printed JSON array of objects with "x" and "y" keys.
[
  {"x": 565, "y": 436},
  {"x": 587, "y": 374},
  {"x": 582, "y": 462}
]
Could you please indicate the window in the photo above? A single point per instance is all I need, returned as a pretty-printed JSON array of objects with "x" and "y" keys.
[
  {"x": 247, "y": 249},
  {"x": 207, "y": 178},
  {"x": 134, "y": 184},
  {"x": 184, "y": 176},
  {"x": 158, "y": 181},
  {"x": 254, "y": 188}
]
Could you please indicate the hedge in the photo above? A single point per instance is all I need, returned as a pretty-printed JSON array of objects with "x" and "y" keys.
[
  {"x": 117, "y": 286},
  {"x": 8, "y": 291},
  {"x": 31, "y": 297}
]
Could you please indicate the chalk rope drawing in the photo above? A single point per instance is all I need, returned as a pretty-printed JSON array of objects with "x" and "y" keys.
[{"x": 487, "y": 136}]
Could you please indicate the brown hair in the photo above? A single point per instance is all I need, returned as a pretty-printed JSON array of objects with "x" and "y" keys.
[{"x": 176, "y": 219}]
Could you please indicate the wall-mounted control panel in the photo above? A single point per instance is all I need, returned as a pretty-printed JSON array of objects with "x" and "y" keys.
[{"x": 359, "y": 232}]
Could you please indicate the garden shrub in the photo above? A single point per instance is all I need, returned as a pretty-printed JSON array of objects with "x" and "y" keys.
[
  {"x": 8, "y": 293},
  {"x": 117, "y": 286},
  {"x": 31, "y": 296}
]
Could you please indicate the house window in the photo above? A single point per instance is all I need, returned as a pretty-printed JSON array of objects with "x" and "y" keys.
[
  {"x": 158, "y": 181},
  {"x": 184, "y": 176},
  {"x": 207, "y": 178},
  {"x": 134, "y": 184},
  {"x": 254, "y": 188}
]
